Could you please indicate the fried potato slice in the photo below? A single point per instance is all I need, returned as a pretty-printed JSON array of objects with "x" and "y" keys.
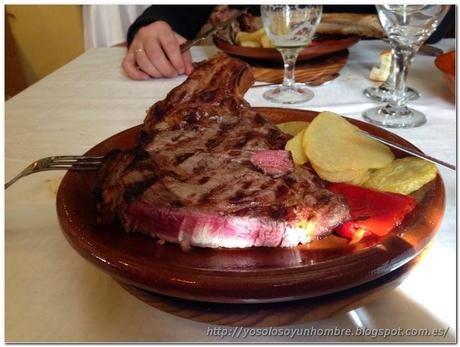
[
  {"x": 333, "y": 144},
  {"x": 266, "y": 42},
  {"x": 347, "y": 176},
  {"x": 278, "y": 25},
  {"x": 252, "y": 44},
  {"x": 295, "y": 146},
  {"x": 293, "y": 128},
  {"x": 255, "y": 36},
  {"x": 255, "y": 39},
  {"x": 359, "y": 180},
  {"x": 402, "y": 176}
]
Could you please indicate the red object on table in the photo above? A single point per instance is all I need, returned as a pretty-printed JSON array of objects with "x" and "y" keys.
[
  {"x": 372, "y": 212},
  {"x": 446, "y": 63}
]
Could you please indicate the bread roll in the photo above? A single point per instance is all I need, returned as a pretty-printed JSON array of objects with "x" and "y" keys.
[{"x": 364, "y": 25}]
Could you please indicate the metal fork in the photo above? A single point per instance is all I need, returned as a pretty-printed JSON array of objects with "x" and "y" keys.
[{"x": 63, "y": 162}]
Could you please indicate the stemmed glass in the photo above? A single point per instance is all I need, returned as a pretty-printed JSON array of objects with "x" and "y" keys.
[
  {"x": 407, "y": 27},
  {"x": 385, "y": 90},
  {"x": 291, "y": 28}
]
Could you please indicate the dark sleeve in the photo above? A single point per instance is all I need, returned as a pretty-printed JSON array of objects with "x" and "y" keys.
[
  {"x": 185, "y": 20},
  {"x": 363, "y": 9},
  {"x": 443, "y": 28}
]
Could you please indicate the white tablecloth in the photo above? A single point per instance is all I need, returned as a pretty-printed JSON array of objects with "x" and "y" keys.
[{"x": 52, "y": 294}]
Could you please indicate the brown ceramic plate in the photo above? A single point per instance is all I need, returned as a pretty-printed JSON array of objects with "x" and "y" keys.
[
  {"x": 254, "y": 275},
  {"x": 315, "y": 49}
]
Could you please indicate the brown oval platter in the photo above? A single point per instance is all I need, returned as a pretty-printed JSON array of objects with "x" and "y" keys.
[
  {"x": 314, "y": 50},
  {"x": 250, "y": 275}
]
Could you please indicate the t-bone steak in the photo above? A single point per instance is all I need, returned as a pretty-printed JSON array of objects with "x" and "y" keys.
[{"x": 211, "y": 171}]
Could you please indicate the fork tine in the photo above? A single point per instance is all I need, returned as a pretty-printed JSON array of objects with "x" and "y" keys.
[
  {"x": 70, "y": 167},
  {"x": 78, "y": 161},
  {"x": 75, "y": 160},
  {"x": 74, "y": 164},
  {"x": 76, "y": 157}
]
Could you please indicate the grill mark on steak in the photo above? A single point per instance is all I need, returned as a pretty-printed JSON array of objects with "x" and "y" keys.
[
  {"x": 259, "y": 119},
  {"x": 177, "y": 204},
  {"x": 139, "y": 155},
  {"x": 289, "y": 181},
  {"x": 242, "y": 141},
  {"x": 191, "y": 179},
  {"x": 145, "y": 137},
  {"x": 264, "y": 186},
  {"x": 192, "y": 118},
  {"x": 209, "y": 95},
  {"x": 279, "y": 212},
  {"x": 247, "y": 185},
  {"x": 233, "y": 105},
  {"x": 182, "y": 157},
  {"x": 281, "y": 190},
  {"x": 276, "y": 138},
  {"x": 182, "y": 95},
  {"x": 206, "y": 197},
  {"x": 203, "y": 180},
  {"x": 175, "y": 138},
  {"x": 213, "y": 142},
  {"x": 136, "y": 189},
  {"x": 237, "y": 197}
]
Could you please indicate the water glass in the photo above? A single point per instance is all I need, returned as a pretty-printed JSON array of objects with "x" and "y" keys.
[
  {"x": 407, "y": 27},
  {"x": 385, "y": 90},
  {"x": 291, "y": 28}
]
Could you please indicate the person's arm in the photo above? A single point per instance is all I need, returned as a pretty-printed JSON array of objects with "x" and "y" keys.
[{"x": 154, "y": 40}]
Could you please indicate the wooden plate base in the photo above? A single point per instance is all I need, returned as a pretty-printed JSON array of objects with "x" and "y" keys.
[
  {"x": 276, "y": 314},
  {"x": 306, "y": 71}
]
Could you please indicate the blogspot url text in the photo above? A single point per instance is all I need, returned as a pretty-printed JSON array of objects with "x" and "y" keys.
[{"x": 245, "y": 332}]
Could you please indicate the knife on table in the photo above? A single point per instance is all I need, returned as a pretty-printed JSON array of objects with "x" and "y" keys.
[
  {"x": 430, "y": 50},
  {"x": 189, "y": 43},
  {"x": 425, "y": 49}
]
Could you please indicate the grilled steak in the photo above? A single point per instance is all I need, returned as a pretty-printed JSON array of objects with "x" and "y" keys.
[
  {"x": 210, "y": 171},
  {"x": 217, "y": 86}
]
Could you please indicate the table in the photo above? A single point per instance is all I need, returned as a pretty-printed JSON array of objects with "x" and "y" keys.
[{"x": 54, "y": 295}]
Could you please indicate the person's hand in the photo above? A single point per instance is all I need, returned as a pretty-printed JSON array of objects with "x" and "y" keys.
[{"x": 155, "y": 52}]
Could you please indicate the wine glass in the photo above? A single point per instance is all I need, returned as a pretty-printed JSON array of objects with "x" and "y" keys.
[
  {"x": 385, "y": 90},
  {"x": 407, "y": 27},
  {"x": 291, "y": 28}
]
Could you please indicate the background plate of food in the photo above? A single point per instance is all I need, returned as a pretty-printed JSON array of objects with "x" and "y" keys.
[
  {"x": 337, "y": 31},
  {"x": 316, "y": 49}
]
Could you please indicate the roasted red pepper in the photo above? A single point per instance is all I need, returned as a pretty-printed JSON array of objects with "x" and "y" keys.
[{"x": 372, "y": 212}]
